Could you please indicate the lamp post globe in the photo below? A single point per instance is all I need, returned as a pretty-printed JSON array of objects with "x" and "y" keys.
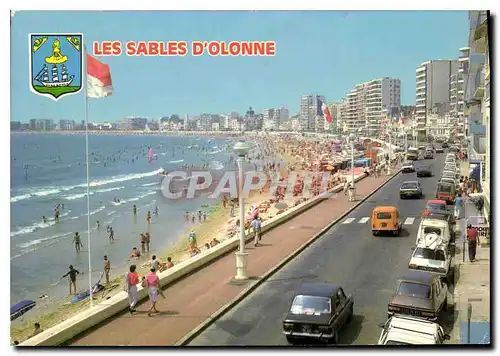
[{"x": 241, "y": 149}]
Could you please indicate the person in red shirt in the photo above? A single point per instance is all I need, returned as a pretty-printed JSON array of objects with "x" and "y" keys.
[
  {"x": 473, "y": 240},
  {"x": 132, "y": 281}
]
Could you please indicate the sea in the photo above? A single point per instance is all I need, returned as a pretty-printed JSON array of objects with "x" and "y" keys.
[{"x": 50, "y": 169}]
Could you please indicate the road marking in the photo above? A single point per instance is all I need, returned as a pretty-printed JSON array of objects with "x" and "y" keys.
[
  {"x": 363, "y": 220},
  {"x": 409, "y": 221},
  {"x": 348, "y": 220}
]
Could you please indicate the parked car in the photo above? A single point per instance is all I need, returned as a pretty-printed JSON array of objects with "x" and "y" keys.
[
  {"x": 432, "y": 255},
  {"x": 445, "y": 145},
  {"x": 408, "y": 167},
  {"x": 318, "y": 311},
  {"x": 428, "y": 154},
  {"x": 447, "y": 216},
  {"x": 446, "y": 191},
  {"x": 424, "y": 171},
  {"x": 437, "y": 227},
  {"x": 439, "y": 149},
  {"x": 434, "y": 204},
  {"x": 419, "y": 294},
  {"x": 410, "y": 189},
  {"x": 406, "y": 330}
]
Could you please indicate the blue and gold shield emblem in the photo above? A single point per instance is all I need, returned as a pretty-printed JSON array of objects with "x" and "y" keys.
[{"x": 56, "y": 64}]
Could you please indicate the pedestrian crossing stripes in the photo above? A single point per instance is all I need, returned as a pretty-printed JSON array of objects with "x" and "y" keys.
[
  {"x": 408, "y": 221},
  {"x": 348, "y": 220}
]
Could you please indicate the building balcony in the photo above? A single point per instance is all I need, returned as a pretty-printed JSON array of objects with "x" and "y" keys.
[
  {"x": 479, "y": 84},
  {"x": 481, "y": 37},
  {"x": 463, "y": 58}
]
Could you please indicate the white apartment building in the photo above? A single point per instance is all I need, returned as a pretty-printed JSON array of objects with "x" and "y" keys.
[
  {"x": 273, "y": 118},
  {"x": 309, "y": 113},
  {"x": 433, "y": 88},
  {"x": 457, "y": 90},
  {"x": 382, "y": 95},
  {"x": 336, "y": 110},
  {"x": 368, "y": 103}
]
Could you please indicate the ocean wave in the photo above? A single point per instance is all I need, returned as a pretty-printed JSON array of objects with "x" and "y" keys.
[
  {"x": 142, "y": 196},
  {"x": 150, "y": 184},
  {"x": 216, "y": 165},
  {"x": 93, "y": 212},
  {"x": 111, "y": 212},
  {"x": 42, "y": 240},
  {"x": 37, "y": 225},
  {"x": 177, "y": 161},
  {"x": 214, "y": 152},
  {"x": 109, "y": 189},
  {"x": 77, "y": 196},
  {"x": 53, "y": 190}
]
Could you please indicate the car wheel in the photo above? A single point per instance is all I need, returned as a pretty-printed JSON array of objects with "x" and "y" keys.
[
  {"x": 290, "y": 339},
  {"x": 374, "y": 233},
  {"x": 336, "y": 337},
  {"x": 401, "y": 197},
  {"x": 445, "y": 305}
]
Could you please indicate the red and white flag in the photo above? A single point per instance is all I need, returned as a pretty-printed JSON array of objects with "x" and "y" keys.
[{"x": 98, "y": 79}]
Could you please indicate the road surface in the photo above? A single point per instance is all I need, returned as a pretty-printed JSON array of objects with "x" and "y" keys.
[{"x": 349, "y": 255}]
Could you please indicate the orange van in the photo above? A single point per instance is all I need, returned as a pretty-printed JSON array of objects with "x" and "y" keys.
[{"x": 386, "y": 219}]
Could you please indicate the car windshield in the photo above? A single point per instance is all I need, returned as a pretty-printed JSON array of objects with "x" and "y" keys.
[
  {"x": 411, "y": 289},
  {"x": 384, "y": 216},
  {"x": 409, "y": 185},
  {"x": 444, "y": 188},
  {"x": 311, "y": 305},
  {"x": 434, "y": 206},
  {"x": 432, "y": 230},
  {"x": 429, "y": 254}
]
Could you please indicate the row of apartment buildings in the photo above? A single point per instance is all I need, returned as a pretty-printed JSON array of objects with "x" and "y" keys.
[{"x": 477, "y": 98}]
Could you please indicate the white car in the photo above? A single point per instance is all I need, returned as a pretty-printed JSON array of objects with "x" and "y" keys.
[
  {"x": 431, "y": 255},
  {"x": 408, "y": 167},
  {"x": 406, "y": 330},
  {"x": 433, "y": 226}
]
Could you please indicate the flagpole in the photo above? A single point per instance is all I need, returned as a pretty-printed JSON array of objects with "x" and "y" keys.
[{"x": 84, "y": 84}]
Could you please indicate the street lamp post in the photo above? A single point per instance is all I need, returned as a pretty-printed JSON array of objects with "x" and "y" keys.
[
  {"x": 241, "y": 149},
  {"x": 390, "y": 150},
  {"x": 352, "y": 163}
]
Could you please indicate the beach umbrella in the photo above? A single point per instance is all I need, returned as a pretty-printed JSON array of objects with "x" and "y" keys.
[{"x": 281, "y": 206}]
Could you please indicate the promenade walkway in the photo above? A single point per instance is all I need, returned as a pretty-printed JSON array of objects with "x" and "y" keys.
[{"x": 195, "y": 298}]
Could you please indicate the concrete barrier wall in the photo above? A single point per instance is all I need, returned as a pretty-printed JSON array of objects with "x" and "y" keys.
[{"x": 82, "y": 321}]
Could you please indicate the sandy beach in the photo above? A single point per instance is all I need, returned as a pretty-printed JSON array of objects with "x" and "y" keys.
[{"x": 301, "y": 158}]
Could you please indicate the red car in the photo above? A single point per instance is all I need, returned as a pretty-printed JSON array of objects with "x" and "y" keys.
[{"x": 434, "y": 205}]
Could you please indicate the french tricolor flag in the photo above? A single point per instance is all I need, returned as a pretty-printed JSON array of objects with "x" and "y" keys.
[
  {"x": 323, "y": 110},
  {"x": 98, "y": 78}
]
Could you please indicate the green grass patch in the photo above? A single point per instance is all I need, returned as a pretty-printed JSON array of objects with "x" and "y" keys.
[{"x": 56, "y": 91}]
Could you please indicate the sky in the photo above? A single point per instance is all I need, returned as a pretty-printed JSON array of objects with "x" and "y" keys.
[{"x": 317, "y": 52}]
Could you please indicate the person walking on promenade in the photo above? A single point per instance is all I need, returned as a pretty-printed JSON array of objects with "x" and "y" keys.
[
  {"x": 351, "y": 192},
  {"x": 131, "y": 281},
  {"x": 107, "y": 268},
  {"x": 256, "y": 224},
  {"x": 473, "y": 240},
  {"x": 153, "y": 284},
  {"x": 231, "y": 209}
]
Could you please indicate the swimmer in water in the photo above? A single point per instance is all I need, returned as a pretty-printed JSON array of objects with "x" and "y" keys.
[
  {"x": 134, "y": 209},
  {"x": 44, "y": 219}
]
